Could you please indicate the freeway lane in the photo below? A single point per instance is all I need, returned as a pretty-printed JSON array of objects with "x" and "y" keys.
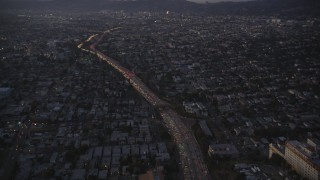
[{"x": 191, "y": 158}]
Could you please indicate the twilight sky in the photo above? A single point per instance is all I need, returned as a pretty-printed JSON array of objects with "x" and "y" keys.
[{"x": 213, "y": 1}]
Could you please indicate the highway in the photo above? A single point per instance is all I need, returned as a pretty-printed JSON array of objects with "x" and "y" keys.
[{"x": 191, "y": 158}]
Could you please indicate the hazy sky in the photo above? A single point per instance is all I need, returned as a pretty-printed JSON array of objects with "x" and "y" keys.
[{"x": 213, "y": 1}]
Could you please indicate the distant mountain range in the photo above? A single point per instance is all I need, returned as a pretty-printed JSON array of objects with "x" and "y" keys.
[{"x": 258, "y": 7}]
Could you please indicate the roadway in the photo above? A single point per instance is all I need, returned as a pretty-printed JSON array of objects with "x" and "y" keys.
[{"x": 191, "y": 158}]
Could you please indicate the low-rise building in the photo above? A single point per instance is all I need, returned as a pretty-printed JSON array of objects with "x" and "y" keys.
[{"x": 223, "y": 150}]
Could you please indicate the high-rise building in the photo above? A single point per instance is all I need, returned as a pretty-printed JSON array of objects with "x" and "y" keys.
[{"x": 303, "y": 158}]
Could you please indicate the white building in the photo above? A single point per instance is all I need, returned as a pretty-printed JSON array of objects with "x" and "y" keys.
[{"x": 303, "y": 159}]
